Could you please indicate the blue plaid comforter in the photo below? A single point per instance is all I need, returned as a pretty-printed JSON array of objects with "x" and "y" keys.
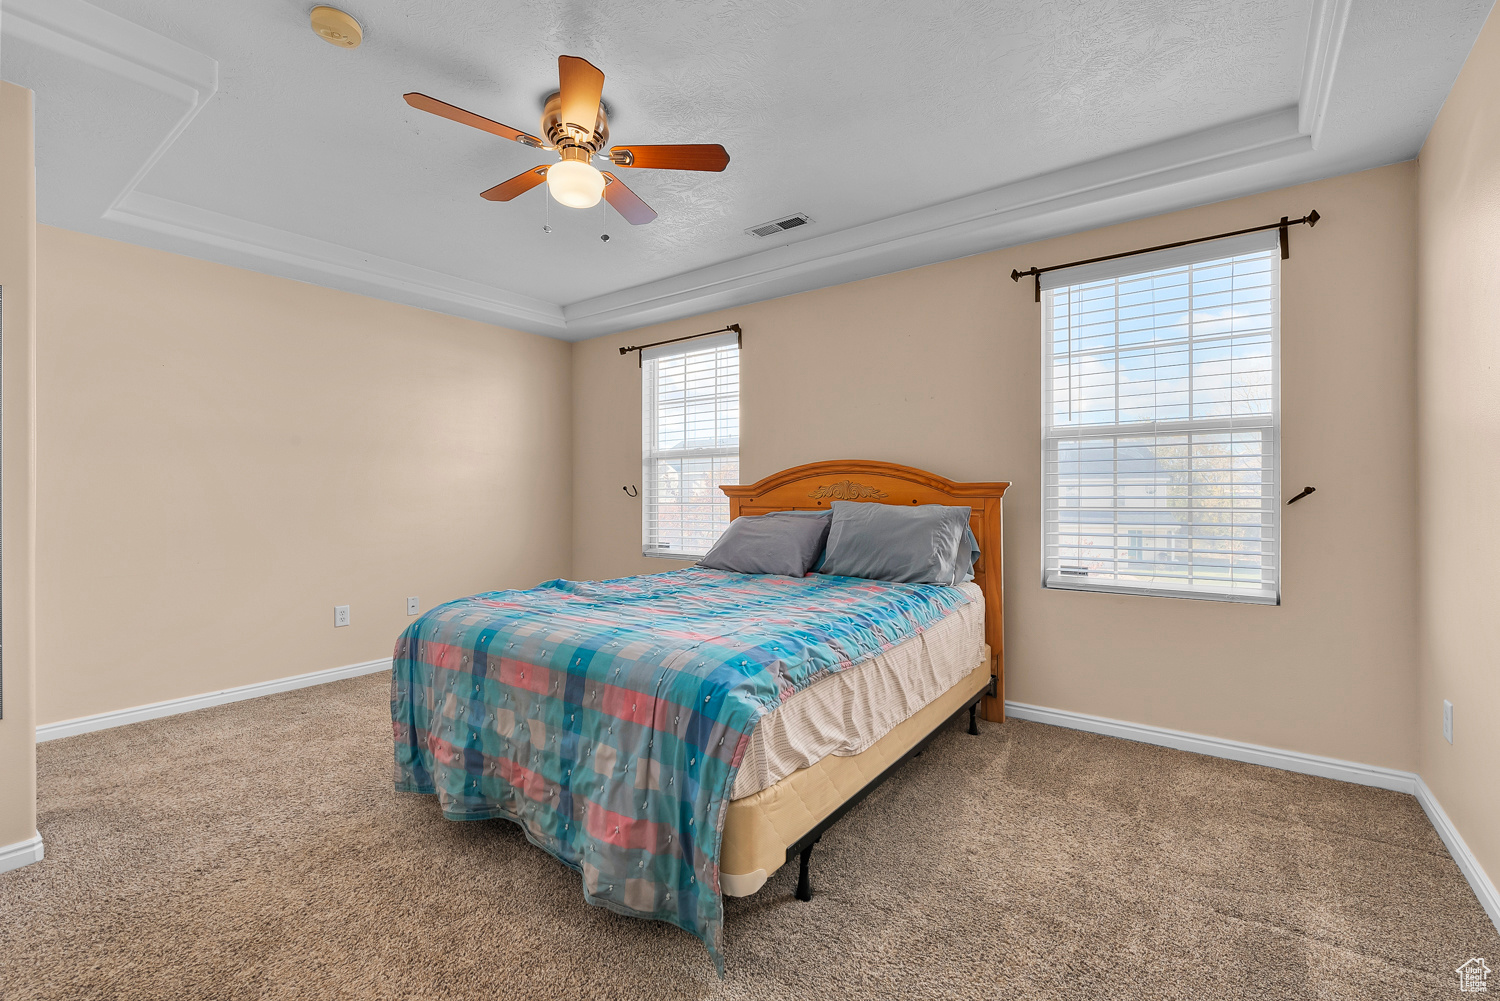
[{"x": 608, "y": 718}]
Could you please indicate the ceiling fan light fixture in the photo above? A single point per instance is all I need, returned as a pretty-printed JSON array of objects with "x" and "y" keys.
[{"x": 575, "y": 183}]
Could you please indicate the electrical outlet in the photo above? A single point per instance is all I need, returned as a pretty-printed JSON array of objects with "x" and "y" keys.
[
  {"x": 413, "y": 606},
  {"x": 340, "y": 615},
  {"x": 1448, "y": 721}
]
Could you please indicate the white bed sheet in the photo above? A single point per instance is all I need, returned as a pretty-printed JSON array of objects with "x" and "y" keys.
[{"x": 845, "y": 712}]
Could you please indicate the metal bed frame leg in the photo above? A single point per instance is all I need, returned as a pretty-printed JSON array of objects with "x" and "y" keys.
[
  {"x": 804, "y": 883},
  {"x": 804, "y": 845}
]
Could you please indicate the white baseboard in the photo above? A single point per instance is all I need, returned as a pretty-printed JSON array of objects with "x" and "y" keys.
[
  {"x": 1478, "y": 879},
  {"x": 171, "y": 707},
  {"x": 1291, "y": 761},
  {"x": 1218, "y": 747},
  {"x": 21, "y": 853}
]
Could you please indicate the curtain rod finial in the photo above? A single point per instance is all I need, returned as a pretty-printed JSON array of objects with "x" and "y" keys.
[{"x": 1313, "y": 217}]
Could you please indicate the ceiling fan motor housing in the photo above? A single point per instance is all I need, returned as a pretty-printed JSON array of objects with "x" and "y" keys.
[{"x": 564, "y": 134}]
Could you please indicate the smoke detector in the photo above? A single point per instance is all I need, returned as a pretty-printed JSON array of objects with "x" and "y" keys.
[
  {"x": 780, "y": 225},
  {"x": 337, "y": 28}
]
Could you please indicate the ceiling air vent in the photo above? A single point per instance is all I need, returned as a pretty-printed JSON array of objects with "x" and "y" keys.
[{"x": 779, "y": 226}]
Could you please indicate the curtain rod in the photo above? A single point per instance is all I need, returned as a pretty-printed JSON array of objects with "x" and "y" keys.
[
  {"x": 1286, "y": 248},
  {"x": 739, "y": 337}
]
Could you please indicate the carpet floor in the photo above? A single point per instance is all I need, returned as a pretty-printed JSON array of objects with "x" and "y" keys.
[{"x": 257, "y": 850}]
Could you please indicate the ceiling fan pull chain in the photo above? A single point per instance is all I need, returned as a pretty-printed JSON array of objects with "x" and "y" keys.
[
  {"x": 603, "y": 221},
  {"x": 546, "y": 212}
]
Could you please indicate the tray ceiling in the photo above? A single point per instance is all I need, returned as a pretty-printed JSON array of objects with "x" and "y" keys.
[{"x": 909, "y": 132}]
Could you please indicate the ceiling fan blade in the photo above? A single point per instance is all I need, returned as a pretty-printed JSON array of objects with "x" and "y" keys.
[
  {"x": 443, "y": 109},
  {"x": 702, "y": 156},
  {"x": 518, "y": 185},
  {"x": 580, "y": 86},
  {"x": 625, "y": 201}
]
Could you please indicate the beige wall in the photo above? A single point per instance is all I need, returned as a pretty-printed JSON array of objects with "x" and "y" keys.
[
  {"x": 17, "y": 280},
  {"x": 1459, "y": 414},
  {"x": 224, "y": 456},
  {"x": 940, "y": 368}
]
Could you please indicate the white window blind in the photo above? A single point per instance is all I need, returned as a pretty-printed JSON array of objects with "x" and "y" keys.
[
  {"x": 1161, "y": 410},
  {"x": 691, "y": 443}
]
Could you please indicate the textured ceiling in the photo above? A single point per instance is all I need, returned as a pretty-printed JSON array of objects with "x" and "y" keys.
[{"x": 853, "y": 112}]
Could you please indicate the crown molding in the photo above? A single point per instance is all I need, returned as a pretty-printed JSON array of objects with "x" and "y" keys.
[
  {"x": 1014, "y": 213},
  {"x": 298, "y": 256},
  {"x": 1325, "y": 36},
  {"x": 1135, "y": 183},
  {"x": 109, "y": 42},
  {"x": 81, "y": 31}
]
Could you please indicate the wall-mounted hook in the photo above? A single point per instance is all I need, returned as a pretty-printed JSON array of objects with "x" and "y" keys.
[
  {"x": 1304, "y": 493},
  {"x": 631, "y": 491}
]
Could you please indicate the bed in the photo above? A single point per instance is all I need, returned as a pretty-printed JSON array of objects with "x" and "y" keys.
[{"x": 677, "y": 737}]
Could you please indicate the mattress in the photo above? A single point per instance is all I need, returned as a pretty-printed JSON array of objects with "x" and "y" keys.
[
  {"x": 759, "y": 828},
  {"x": 845, "y": 712}
]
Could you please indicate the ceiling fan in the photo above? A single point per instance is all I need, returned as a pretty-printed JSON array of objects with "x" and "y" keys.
[{"x": 575, "y": 125}]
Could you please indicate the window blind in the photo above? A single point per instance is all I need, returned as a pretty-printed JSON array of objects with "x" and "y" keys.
[
  {"x": 690, "y": 443},
  {"x": 1161, "y": 406}
]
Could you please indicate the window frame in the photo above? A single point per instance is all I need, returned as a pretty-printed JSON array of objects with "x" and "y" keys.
[
  {"x": 651, "y": 455},
  {"x": 1270, "y": 427}
]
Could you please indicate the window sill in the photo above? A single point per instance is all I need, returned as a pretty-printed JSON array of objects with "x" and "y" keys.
[
  {"x": 680, "y": 557},
  {"x": 1099, "y": 587}
]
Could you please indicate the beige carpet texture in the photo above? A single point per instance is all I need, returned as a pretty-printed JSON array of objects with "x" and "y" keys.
[{"x": 257, "y": 850}]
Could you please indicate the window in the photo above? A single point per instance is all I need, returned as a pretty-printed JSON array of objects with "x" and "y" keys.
[
  {"x": 1161, "y": 410},
  {"x": 690, "y": 443}
]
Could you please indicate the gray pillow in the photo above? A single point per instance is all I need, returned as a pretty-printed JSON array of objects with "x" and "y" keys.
[
  {"x": 968, "y": 555},
  {"x": 782, "y": 542},
  {"x": 913, "y": 545}
]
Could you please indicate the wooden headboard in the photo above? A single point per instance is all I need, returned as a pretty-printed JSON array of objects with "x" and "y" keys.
[{"x": 817, "y": 484}]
